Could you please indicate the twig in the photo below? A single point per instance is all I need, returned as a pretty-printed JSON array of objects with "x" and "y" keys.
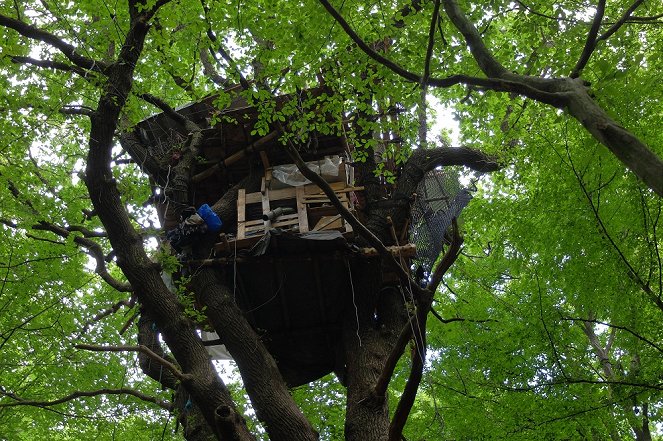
[
  {"x": 142, "y": 349},
  {"x": 80, "y": 394},
  {"x": 458, "y": 319},
  {"x": 108, "y": 311}
]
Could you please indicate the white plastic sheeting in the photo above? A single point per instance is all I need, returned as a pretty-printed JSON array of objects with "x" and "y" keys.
[{"x": 289, "y": 174}]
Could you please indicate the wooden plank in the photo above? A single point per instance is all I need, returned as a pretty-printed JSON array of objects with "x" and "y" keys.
[
  {"x": 265, "y": 208},
  {"x": 407, "y": 250},
  {"x": 241, "y": 213},
  {"x": 274, "y": 195},
  {"x": 290, "y": 193},
  {"x": 268, "y": 177},
  {"x": 329, "y": 223},
  {"x": 314, "y": 190},
  {"x": 323, "y": 199},
  {"x": 252, "y": 230},
  {"x": 285, "y": 223},
  {"x": 265, "y": 159},
  {"x": 301, "y": 210}
]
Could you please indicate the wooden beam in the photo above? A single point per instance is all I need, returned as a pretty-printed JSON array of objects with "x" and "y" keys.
[
  {"x": 241, "y": 213},
  {"x": 234, "y": 157},
  {"x": 301, "y": 210},
  {"x": 407, "y": 250}
]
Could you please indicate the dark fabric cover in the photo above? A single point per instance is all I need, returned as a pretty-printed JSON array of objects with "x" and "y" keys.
[{"x": 294, "y": 292}]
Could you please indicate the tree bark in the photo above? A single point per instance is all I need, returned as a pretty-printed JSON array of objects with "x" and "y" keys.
[
  {"x": 205, "y": 387},
  {"x": 269, "y": 394},
  {"x": 370, "y": 330}
]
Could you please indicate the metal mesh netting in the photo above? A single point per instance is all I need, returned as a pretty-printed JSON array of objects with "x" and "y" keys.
[{"x": 440, "y": 198}]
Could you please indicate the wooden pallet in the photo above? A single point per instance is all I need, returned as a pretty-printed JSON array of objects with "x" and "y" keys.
[{"x": 308, "y": 201}]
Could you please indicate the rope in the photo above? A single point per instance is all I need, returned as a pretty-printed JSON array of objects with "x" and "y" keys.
[{"x": 352, "y": 286}]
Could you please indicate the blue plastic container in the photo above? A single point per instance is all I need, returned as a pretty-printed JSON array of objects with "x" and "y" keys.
[{"x": 211, "y": 219}]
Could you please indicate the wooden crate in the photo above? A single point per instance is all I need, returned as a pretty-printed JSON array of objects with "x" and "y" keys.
[{"x": 308, "y": 202}]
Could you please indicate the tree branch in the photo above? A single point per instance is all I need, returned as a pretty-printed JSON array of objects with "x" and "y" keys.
[
  {"x": 423, "y": 123},
  {"x": 484, "y": 58},
  {"x": 48, "y": 64},
  {"x": 381, "y": 384},
  {"x": 449, "y": 258},
  {"x": 77, "y": 110},
  {"x": 626, "y": 17},
  {"x": 142, "y": 349},
  {"x": 94, "y": 249},
  {"x": 81, "y": 394},
  {"x": 224, "y": 54},
  {"x": 129, "y": 303},
  {"x": 557, "y": 92},
  {"x": 623, "y": 328},
  {"x": 210, "y": 71},
  {"x": 205, "y": 387},
  {"x": 67, "y": 49},
  {"x": 406, "y": 401},
  {"x": 457, "y": 319},
  {"x": 595, "y": 211},
  {"x": 590, "y": 43},
  {"x": 169, "y": 111},
  {"x": 365, "y": 47},
  {"x": 263, "y": 381},
  {"x": 148, "y": 337}
]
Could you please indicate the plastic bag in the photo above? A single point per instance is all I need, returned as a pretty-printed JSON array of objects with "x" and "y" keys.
[{"x": 289, "y": 174}]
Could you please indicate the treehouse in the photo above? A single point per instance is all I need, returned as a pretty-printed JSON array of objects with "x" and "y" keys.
[{"x": 287, "y": 253}]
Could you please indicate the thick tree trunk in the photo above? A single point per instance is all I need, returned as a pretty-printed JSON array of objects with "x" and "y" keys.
[
  {"x": 189, "y": 416},
  {"x": 203, "y": 383},
  {"x": 269, "y": 394},
  {"x": 370, "y": 330}
]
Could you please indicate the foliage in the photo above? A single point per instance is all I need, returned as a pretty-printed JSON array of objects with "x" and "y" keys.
[{"x": 564, "y": 243}]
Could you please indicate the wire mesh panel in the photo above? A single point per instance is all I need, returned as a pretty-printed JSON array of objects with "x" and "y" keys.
[{"x": 440, "y": 198}]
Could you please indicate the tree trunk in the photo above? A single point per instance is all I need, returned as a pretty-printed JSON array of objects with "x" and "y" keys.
[
  {"x": 269, "y": 394},
  {"x": 370, "y": 330}
]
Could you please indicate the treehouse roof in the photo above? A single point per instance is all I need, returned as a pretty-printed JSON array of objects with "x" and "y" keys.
[{"x": 227, "y": 132}]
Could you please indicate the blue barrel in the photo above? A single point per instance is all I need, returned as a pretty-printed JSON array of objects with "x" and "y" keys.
[{"x": 211, "y": 219}]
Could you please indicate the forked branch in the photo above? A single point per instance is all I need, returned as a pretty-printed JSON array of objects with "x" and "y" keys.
[{"x": 93, "y": 249}]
